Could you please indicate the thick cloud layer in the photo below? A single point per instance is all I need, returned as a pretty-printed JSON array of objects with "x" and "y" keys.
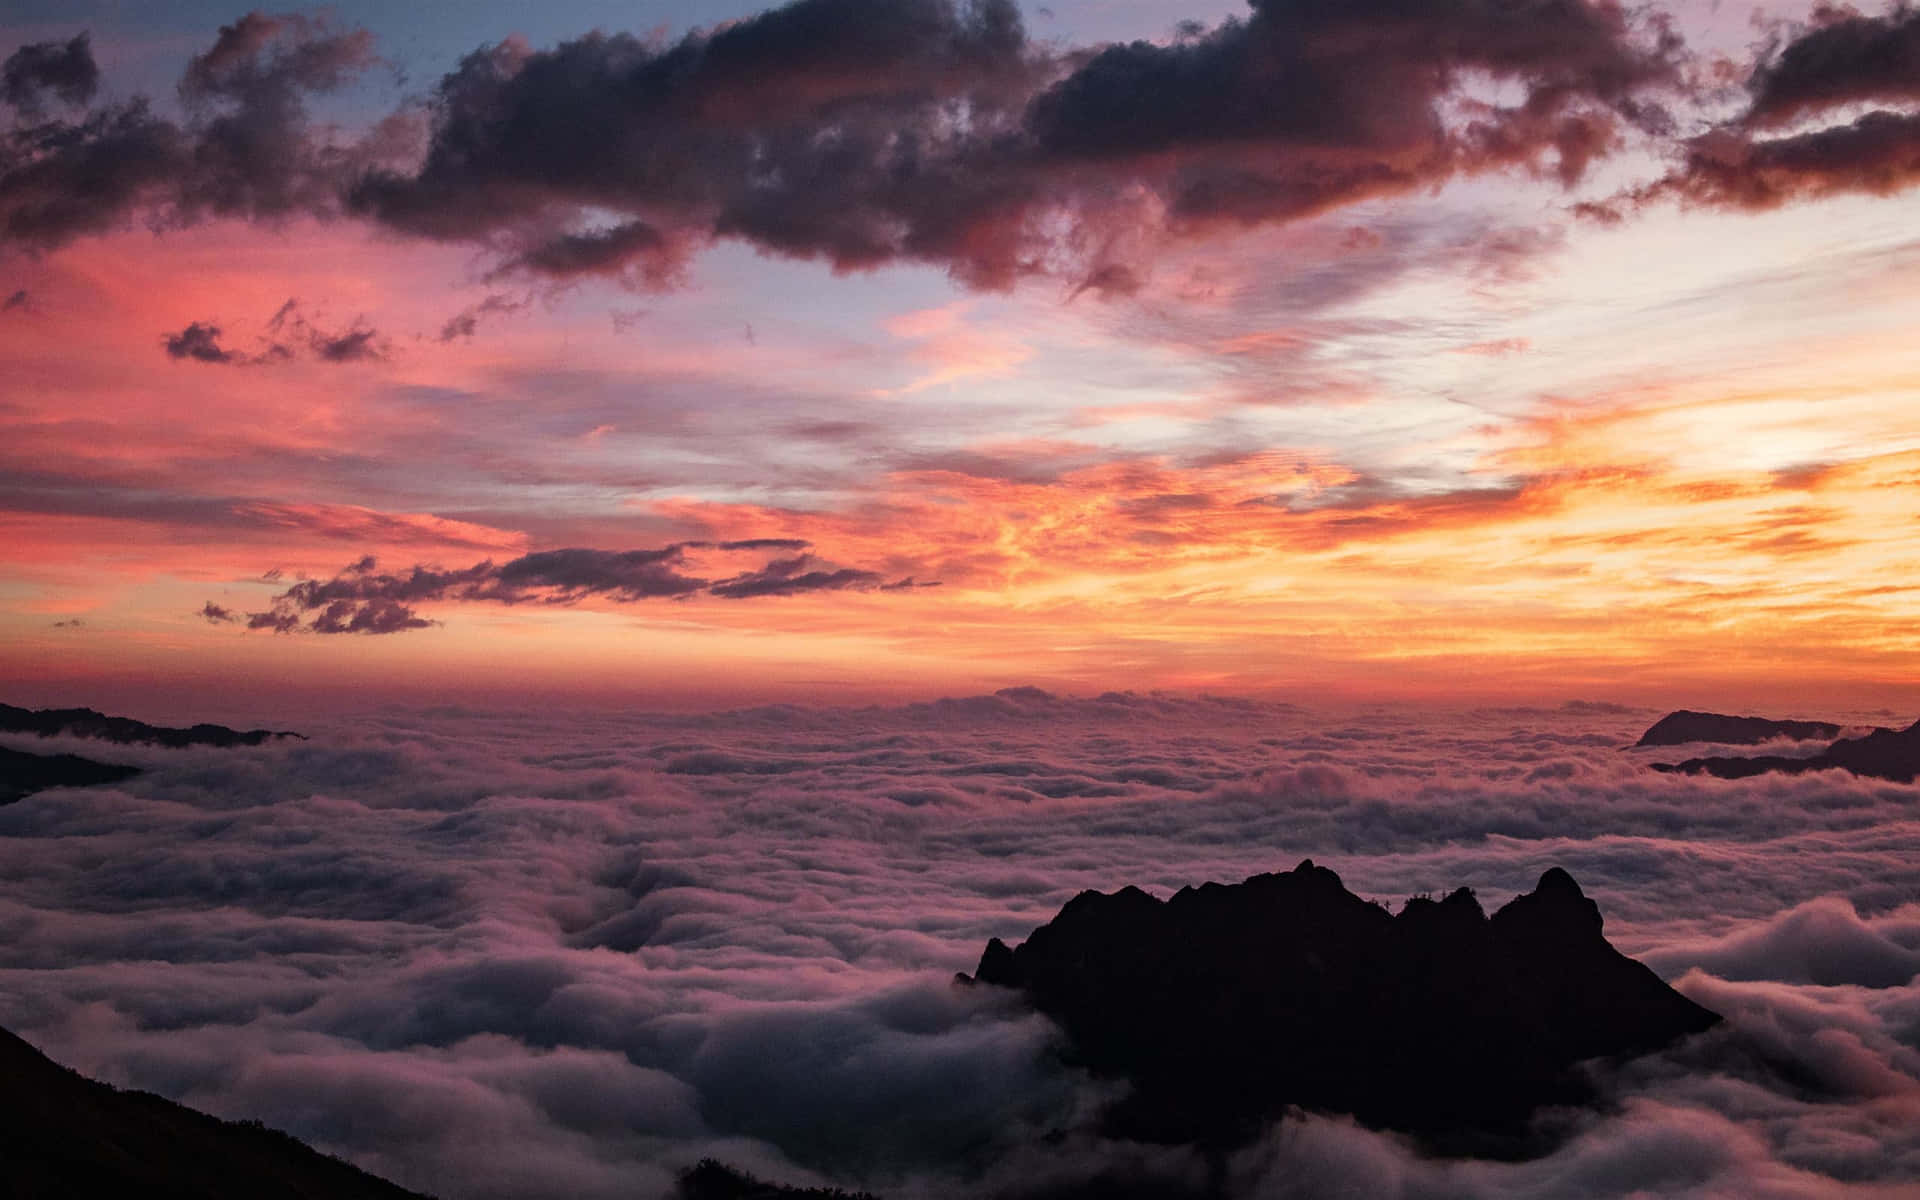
[
  {"x": 1801, "y": 136},
  {"x": 539, "y": 954},
  {"x": 246, "y": 147},
  {"x": 863, "y": 132},
  {"x": 859, "y": 132},
  {"x": 868, "y": 132},
  {"x": 64, "y": 71}
]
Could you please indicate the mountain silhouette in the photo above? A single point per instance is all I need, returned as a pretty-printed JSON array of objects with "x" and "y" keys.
[
  {"x": 23, "y": 773},
  {"x": 1225, "y": 1006},
  {"x": 85, "y": 722},
  {"x": 63, "y": 1135},
  {"x": 1890, "y": 754},
  {"x": 1679, "y": 728},
  {"x": 712, "y": 1180}
]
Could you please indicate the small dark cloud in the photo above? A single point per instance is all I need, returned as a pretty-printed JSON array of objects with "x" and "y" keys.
[
  {"x": 376, "y": 615},
  {"x": 1109, "y": 281},
  {"x": 71, "y": 623},
  {"x": 764, "y": 544},
  {"x": 214, "y": 614},
  {"x": 64, "y": 70},
  {"x": 355, "y": 345},
  {"x": 16, "y": 302},
  {"x": 464, "y": 323},
  {"x": 364, "y": 599},
  {"x": 792, "y": 577},
  {"x": 635, "y": 251},
  {"x": 200, "y": 342},
  {"x": 292, "y": 334}
]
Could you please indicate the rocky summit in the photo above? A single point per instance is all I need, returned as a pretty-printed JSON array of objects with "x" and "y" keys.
[{"x": 1225, "y": 1006}]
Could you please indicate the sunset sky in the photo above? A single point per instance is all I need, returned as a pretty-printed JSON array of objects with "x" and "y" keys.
[{"x": 680, "y": 352}]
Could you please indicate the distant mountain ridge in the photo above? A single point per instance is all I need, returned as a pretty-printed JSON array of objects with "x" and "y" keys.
[
  {"x": 1686, "y": 725},
  {"x": 1225, "y": 1006},
  {"x": 63, "y": 1135},
  {"x": 87, "y": 723},
  {"x": 22, "y": 773},
  {"x": 1889, "y": 754}
]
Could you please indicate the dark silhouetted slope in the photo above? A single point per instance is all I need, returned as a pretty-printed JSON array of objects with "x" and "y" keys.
[
  {"x": 1890, "y": 754},
  {"x": 62, "y": 1135},
  {"x": 22, "y": 774},
  {"x": 711, "y": 1180},
  {"x": 1225, "y": 1005},
  {"x": 1679, "y": 728},
  {"x": 85, "y": 722}
]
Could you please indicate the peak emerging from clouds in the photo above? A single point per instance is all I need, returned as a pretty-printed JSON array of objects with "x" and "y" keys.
[{"x": 1226, "y": 1005}]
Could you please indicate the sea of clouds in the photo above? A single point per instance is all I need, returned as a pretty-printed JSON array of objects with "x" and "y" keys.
[{"x": 493, "y": 954}]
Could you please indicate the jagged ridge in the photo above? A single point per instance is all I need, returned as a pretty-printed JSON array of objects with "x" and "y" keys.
[{"x": 1225, "y": 1005}]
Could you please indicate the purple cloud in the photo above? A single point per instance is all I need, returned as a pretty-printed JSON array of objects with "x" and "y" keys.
[{"x": 363, "y": 599}]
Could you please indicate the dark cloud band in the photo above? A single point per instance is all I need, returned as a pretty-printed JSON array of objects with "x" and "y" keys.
[
  {"x": 364, "y": 599},
  {"x": 863, "y": 132}
]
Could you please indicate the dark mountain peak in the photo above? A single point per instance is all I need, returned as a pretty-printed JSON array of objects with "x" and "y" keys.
[
  {"x": 1557, "y": 881},
  {"x": 1555, "y": 908},
  {"x": 88, "y": 723},
  {"x": 1228, "y": 1004},
  {"x": 1686, "y": 725}
]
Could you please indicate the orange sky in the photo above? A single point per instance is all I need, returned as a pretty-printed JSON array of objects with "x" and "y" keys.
[{"x": 1451, "y": 442}]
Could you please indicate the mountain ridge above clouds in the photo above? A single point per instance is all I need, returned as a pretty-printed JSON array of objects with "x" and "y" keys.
[
  {"x": 1685, "y": 725},
  {"x": 23, "y": 773},
  {"x": 1228, "y": 1005},
  {"x": 90, "y": 723},
  {"x": 1889, "y": 754}
]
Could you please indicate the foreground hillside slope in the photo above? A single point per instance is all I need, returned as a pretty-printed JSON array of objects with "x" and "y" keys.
[{"x": 63, "y": 1135}]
